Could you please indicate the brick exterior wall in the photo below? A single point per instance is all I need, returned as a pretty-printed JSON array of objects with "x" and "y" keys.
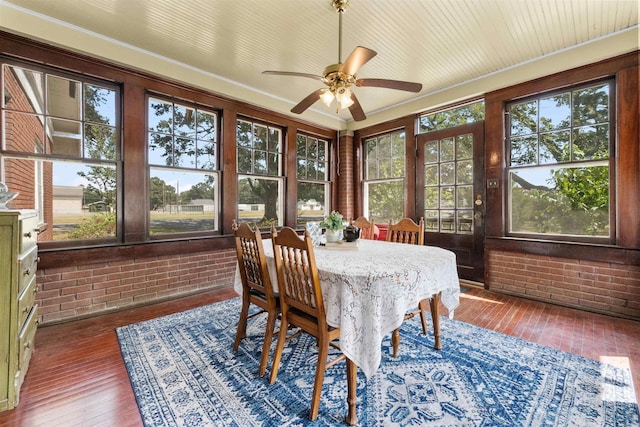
[
  {"x": 67, "y": 293},
  {"x": 22, "y": 131},
  {"x": 602, "y": 287}
]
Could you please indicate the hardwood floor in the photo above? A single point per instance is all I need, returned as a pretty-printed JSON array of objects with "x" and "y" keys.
[{"x": 77, "y": 376}]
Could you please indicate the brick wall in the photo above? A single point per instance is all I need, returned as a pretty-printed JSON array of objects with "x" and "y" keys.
[
  {"x": 346, "y": 193},
  {"x": 66, "y": 293},
  {"x": 602, "y": 287}
]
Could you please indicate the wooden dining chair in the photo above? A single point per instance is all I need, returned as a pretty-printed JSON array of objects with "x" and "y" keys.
[
  {"x": 301, "y": 303},
  {"x": 366, "y": 227},
  {"x": 408, "y": 232},
  {"x": 256, "y": 287}
]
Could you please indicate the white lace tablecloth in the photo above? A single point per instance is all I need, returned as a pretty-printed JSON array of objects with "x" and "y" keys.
[{"x": 368, "y": 290}]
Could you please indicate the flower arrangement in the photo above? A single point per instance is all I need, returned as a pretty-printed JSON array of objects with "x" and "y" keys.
[{"x": 333, "y": 222}]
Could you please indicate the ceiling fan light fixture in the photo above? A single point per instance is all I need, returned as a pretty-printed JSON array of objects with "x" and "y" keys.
[
  {"x": 343, "y": 96},
  {"x": 327, "y": 97}
]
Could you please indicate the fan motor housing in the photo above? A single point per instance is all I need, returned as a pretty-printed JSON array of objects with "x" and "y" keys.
[{"x": 332, "y": 76}]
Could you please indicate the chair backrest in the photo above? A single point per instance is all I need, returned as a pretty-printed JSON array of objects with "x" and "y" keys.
[
  {"x": 406, "y": 231},
  {"x": 298, "y": 282},
  {"x": 366, "y": 227},
  {"x": 252, "y": 261}
]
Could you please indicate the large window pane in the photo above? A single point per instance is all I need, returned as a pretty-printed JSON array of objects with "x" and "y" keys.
[
  {"x": 260, "y": 201},
  {"x": 182, "y": 201},
  {"x": 385, "y": 200},
  {"x": 313, "y": 200},
  {"x": 561, "y": 200}
]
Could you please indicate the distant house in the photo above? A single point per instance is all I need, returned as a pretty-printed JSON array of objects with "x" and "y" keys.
[
  {"x": 251, "y": 207},
  {"x": 206, "y": 205},
  {"x": 310, "y": 205},
  {"x": 67, "y": 200}
]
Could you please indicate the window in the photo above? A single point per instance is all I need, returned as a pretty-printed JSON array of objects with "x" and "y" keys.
[
  {"x": 469, "y": 113},
  {"x": 313, "y": 178},
  {"x": 559, "y": 163},
  {"x": 183, "y": 172},
  {"x": 61, "y": 151},
  {"x": 260, "y": 176},
  {"x": 384, "y": 174}
]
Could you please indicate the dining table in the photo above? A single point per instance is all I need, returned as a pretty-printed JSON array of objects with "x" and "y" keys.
[{"x": 368, "y": 286}]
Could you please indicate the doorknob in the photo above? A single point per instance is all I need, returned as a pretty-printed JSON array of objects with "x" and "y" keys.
[{"x": 478, "y": 200}]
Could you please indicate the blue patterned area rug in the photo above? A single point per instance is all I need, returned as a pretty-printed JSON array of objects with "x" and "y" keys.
[{"x": 184, "y": 373}]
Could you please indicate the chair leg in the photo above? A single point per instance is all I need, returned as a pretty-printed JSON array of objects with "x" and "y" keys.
[
  {"x": 435, "y": 316},
  {"x": 282, "y": 337},
  {"x": 352, "y": 376},
  {"x": 241, "y": 333},
  {"x": 323, "y": 353},
  {"x": 266, "y": 346},
  {"x": 423, "y": 315},
  {"x": 395, "y": 340}
]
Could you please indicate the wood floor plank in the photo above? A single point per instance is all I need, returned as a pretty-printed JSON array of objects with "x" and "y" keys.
[{"x": 77, "y": 376}]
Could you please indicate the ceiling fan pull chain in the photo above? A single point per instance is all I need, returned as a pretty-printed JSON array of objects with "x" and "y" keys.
[{"x": 340, "y": 11}]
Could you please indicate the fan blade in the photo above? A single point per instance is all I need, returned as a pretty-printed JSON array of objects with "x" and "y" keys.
[
  {"x": 356, "y": 109},
  {"x": 292, "y": 73},
  {"x": 356, "y": 59},
  {"x": 390, "y": 84},
  {"x": 307, "y": 102}
]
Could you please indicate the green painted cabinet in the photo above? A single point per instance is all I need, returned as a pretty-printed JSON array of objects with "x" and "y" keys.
[{"x": 18, "y": 311}]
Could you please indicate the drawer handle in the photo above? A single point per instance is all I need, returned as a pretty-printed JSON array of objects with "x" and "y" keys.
[
  {"x": 27, "y": 345},
  {"x": 26, "y": 309},
  {"x": 27, "y": 234},
  {"x": 27, "y": 272}
]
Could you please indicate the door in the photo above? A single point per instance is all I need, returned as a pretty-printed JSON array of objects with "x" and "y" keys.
[{"x": 450, "y": 194}]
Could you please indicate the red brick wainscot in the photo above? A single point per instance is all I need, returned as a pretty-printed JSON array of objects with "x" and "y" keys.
[{"x": 601, "y": 287}]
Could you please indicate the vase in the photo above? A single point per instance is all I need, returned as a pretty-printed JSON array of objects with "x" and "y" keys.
[{"x": 333, "y": 236}]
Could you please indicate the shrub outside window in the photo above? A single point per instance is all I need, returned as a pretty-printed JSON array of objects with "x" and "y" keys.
[
  {"x": 559, "y": 163},
  {"x": 183, "y": 172},
  {"x": 61, "y": 151},
  {"x": 313, "y": 178},
  {"x": 384, "y": 174},
  {"x": 260, "y": 176}
]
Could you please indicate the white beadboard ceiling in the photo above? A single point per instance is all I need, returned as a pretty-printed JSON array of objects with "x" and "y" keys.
[{"x": 439, "y": 43}]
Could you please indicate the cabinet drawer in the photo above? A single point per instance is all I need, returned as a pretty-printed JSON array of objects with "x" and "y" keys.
[
  {"x": 25, "y": 350},
  {"x": 28, "y": 232},
  {"x": 27, "y": 338},
  {"x": 26, "y": 301},
  {"x": 27, "y": 266}
]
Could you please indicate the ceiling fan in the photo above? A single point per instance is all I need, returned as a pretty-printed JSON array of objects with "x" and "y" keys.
[{"x": 341, "y": 76}]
